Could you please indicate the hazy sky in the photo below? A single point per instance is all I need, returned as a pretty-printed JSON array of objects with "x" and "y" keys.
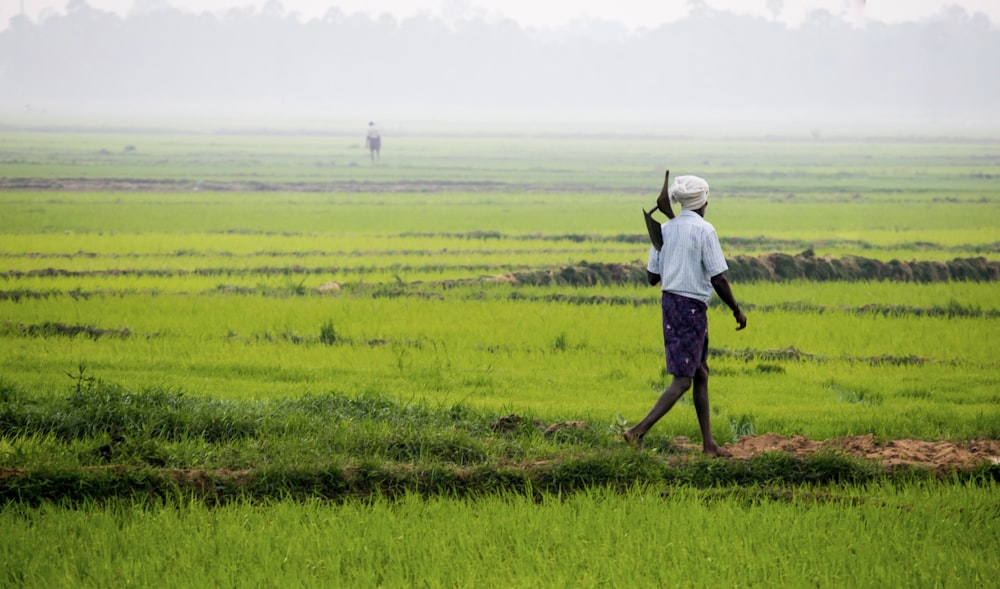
[{"x": 542, "y": 13}]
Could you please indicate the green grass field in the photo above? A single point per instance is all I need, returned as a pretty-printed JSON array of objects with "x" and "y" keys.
[
  {"x": 854, "y": 537},
  {"x": 299, "y": 383}
]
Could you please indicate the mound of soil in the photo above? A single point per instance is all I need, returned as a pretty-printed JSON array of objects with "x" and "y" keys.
[
  {"x": 778, "y": 267},
  {"x": 942, "y": 456}
]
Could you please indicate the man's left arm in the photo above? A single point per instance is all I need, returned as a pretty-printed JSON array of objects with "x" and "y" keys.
[
  {"x": 715, "y": 265},
  {"x": 725, "y": 292}
]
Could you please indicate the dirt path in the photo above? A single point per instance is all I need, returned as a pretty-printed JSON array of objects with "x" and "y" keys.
[
  {"x": 941, "y": 456},
  {"x": 161, "y": 185}
]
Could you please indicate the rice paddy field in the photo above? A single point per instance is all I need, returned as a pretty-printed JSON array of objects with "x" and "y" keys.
[{"x": 260, "y": 359}]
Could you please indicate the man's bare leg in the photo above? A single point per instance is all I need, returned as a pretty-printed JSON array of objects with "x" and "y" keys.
[
  {"x": 701, "y": 407},
  {"x": 677, "y": 388}
]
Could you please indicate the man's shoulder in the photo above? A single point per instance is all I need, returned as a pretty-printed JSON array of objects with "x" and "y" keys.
[{"x": 693, "y": 218}]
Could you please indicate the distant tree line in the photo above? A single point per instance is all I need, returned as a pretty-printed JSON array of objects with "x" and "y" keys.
[{"x": 709, "y": 60}]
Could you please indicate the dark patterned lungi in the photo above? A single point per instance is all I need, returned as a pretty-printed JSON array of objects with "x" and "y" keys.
[{"x": 685, "y": 333}]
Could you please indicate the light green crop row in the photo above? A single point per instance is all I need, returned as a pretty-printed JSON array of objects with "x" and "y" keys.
[
  {"x": 422, "y": 235},
  {"x": 556, "y": 359},
  {"x": 516, "y": 214},
  {"x": 916, "y": 536}
]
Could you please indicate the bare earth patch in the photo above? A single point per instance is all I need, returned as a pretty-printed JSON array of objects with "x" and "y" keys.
[
  {"x": 940, "y": 456},
  {"x": 174, "y": 185}
]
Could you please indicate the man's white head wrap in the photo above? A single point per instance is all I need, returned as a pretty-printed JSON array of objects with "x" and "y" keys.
[{"x": 691, "y": 192}]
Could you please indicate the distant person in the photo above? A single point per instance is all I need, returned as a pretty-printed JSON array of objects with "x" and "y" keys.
[
  {"x": 689, "y": 266},
  {"x": 374, "y": 141}
]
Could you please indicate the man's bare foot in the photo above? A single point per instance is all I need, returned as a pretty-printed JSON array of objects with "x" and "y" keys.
[
  {"x": 632, "y": 440},
  {"x": 716, "y": 451}
]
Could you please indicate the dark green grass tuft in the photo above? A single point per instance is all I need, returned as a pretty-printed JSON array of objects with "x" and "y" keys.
[
  {"x": 777, "y": 468},
  {"x": 58, "y": 329}
]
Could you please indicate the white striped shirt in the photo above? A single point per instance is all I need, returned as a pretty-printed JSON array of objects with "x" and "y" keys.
[{"x": 690, "y": 257}]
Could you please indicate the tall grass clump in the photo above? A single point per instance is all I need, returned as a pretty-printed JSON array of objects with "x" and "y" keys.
[
  {"x": 328, "y": 334},
  {"x": 96, "y": 407}
]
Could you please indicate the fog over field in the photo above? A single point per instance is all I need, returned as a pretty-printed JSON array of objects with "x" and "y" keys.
[{"x": 709, "y": 66}]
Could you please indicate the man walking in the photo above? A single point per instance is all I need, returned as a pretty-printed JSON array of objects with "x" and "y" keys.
[
  {"x": 689, "y": 266},
  {"x": 374, "y": 141}
]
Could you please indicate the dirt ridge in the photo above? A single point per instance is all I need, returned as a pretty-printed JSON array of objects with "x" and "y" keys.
[
  {"x": 940, "y": 456},
  {"x": 188, "y": 185}
]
